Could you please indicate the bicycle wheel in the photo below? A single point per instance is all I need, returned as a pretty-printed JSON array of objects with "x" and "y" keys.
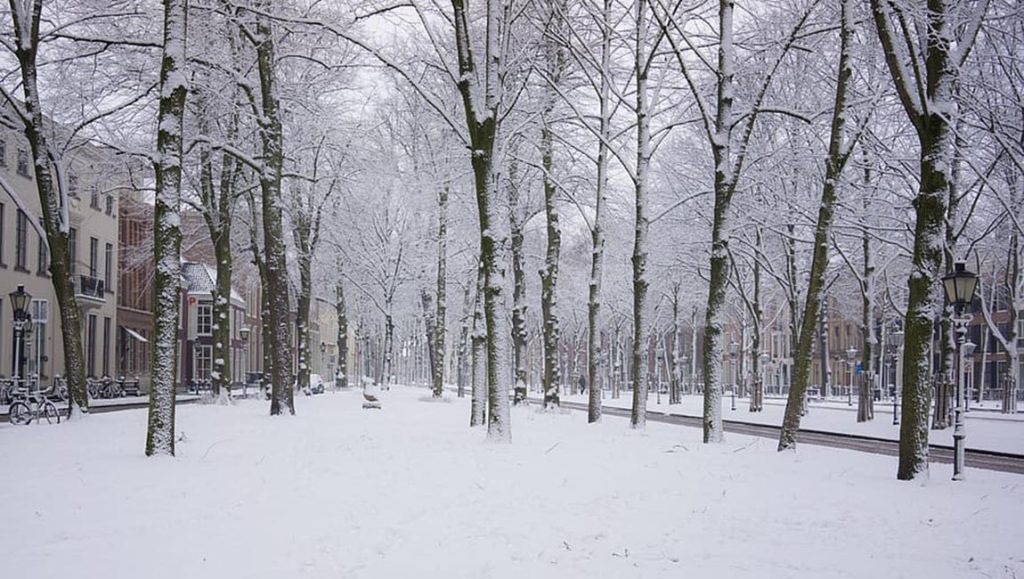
[
  {"x": 19, "y": 413},
  {"x": 50, "y": 413}
]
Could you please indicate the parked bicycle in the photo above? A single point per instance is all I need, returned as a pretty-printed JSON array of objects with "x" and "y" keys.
[
  {"x": 29, "y": 406},
  {"x": 7, "y": 389},
  {"x": 60, "y": 388}
]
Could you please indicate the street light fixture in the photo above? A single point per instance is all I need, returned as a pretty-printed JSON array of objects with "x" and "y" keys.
[
  {"x": 896, "y": 340},
  {"x": 20, "y": 300},
  {"x": 959, "y": 286},
  {"x": 851, "y": 354},
  {"x": 243, "y": 335},
  {"x": 734, "y": 348}
]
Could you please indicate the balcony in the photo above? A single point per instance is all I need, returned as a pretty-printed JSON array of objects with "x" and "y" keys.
[{"x": 88, "y": 289}]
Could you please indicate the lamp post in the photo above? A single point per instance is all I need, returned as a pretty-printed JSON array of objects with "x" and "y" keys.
[
  {"x": 851, "y": 355},
  {"x": 959, "y": 286},
  {"x": 243, "y": 335},
  {"x": 897, "y": 343},
  {"x": 20, "y": 299},
  {"x": 733, "y": 350}
]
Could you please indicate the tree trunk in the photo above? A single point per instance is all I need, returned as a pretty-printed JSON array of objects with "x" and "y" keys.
[
  {"x": 866, "y": 400},
  {"x": 724, "y": 185},
  {"x": 468, "y": 313},
  {"x": 305, "y": 302},
  {"x": 638, "y": 415},
  {"x": 671, "y": 352},
  {"x": 549, "y": 278},
  {"x": 757, "y": 394},
  {"x": 217, "y": 208},
  {"x": 342, "y": 335},
  {"x": 271, "y": 139},
  {"x": 478, "y": 404},
  {"x": 430, "y": 331},
  {"x": 597, "y": 231},
  {"x": 437, "y": 345},
  {"x": 482, "y": 124},
  {"x": 519, "y": 333},
  {"x": 52, "y": 199},
  {"x": 837, "y": 157},
  {"x": 167, "y": 231}
]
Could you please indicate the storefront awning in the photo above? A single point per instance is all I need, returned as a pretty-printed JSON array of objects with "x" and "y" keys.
[{"x": 134, "y": 334}]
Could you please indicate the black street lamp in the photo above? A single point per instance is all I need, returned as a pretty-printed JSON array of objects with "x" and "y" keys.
[
  {"x": 243, "y": 335},
  {"x": 897, "y": 342},
  {"x": 734, "y": 348},
  {"x": 20, "y": 300},
  {"x": 851, "y": 355},
  {"x": 959, "y": 286}
]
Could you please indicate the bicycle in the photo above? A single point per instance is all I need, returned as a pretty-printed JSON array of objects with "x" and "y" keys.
[
  {"x": 60, "y": 388},
  {"x": 94, "y": 387},
  {"x": 23, "y": 412},
  {"x": 111, "y": 389}
]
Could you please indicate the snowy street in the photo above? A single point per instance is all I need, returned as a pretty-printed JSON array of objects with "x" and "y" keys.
[{"x": 338, "y": 491}]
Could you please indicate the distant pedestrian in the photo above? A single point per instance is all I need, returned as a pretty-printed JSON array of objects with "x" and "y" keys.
[{"x": 583, "y": 384}]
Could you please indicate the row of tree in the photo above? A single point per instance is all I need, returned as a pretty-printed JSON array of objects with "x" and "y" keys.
[{"x": 745, "y": 161}]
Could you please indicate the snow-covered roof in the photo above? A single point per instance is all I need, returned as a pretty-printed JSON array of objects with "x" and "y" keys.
[{"x": 200, "y": 278}]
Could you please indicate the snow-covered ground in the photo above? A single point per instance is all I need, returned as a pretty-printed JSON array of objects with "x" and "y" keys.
[
  {"x": 986, "y": 430},
  {"x": 412, "y": 491}
]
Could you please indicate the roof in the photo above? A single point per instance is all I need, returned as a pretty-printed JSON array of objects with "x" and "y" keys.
[{"x": 200, "y": 278}]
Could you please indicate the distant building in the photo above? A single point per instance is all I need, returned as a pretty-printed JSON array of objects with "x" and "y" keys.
[
  {"x": 135, "y": 279},
  {"x": 199, "y": 281}
]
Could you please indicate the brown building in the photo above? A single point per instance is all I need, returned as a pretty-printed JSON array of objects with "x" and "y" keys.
[{"x": 135, "y": 300}]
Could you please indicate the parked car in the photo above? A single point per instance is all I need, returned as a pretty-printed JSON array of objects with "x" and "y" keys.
[{"x": 316, "y": 384}]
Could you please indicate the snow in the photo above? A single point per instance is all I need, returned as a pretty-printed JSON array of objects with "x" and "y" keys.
[
  {"x": 410, "y": 490},
  {"x": 986, "y": 430}
]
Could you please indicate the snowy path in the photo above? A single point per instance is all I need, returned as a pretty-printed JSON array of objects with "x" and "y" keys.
[
  {"x": 411, "y": 491},
  {"x": 986, "y": 430}
]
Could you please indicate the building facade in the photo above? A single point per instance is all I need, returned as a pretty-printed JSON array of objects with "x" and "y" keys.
[{"x": 95, "y": 179}]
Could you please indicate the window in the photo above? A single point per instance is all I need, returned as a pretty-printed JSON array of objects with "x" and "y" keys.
[
  {"x": 3, "y": 153},
  {"x": 106, "y": 346},
  {"x": 94, "y": 197},
  {"x": 203, "y": 363},
  {"x": 204, "y": 319},
  {"x": 73, "y": 186},
  {"x": 108, "y": 265},
  {"x": 110, "y": 204},
  {"x": 90, "y": 347},
  {"x": 40, "y": 317},
  {"x": 23, "y": 163},
  {"x": 43, "y": 260},
  {"x": 21, "y": 243},
  {"x": 2, "y": 264},
  {"x": 94, "y": 251},
  {"x": 73, "y": 249}
]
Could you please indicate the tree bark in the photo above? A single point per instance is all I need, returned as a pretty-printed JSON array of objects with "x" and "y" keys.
[
  {"x": 638, "y": 375},
  {"x": 52, "y": 199},
  {"x": 866, "y": 400},
  {"x": 167, "y": 230},
  {"x": 757, "y": 394},
  {"x": 837, "y": 157},
  {"x": 597, "y": 231},
  {"x": 342, "y": 334},
  {"x": 437, "y": 345},
  {"x": 519, "y": 307},
  {"x": 478, "y": 403},
  {"x": 271, "y": 141}
]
